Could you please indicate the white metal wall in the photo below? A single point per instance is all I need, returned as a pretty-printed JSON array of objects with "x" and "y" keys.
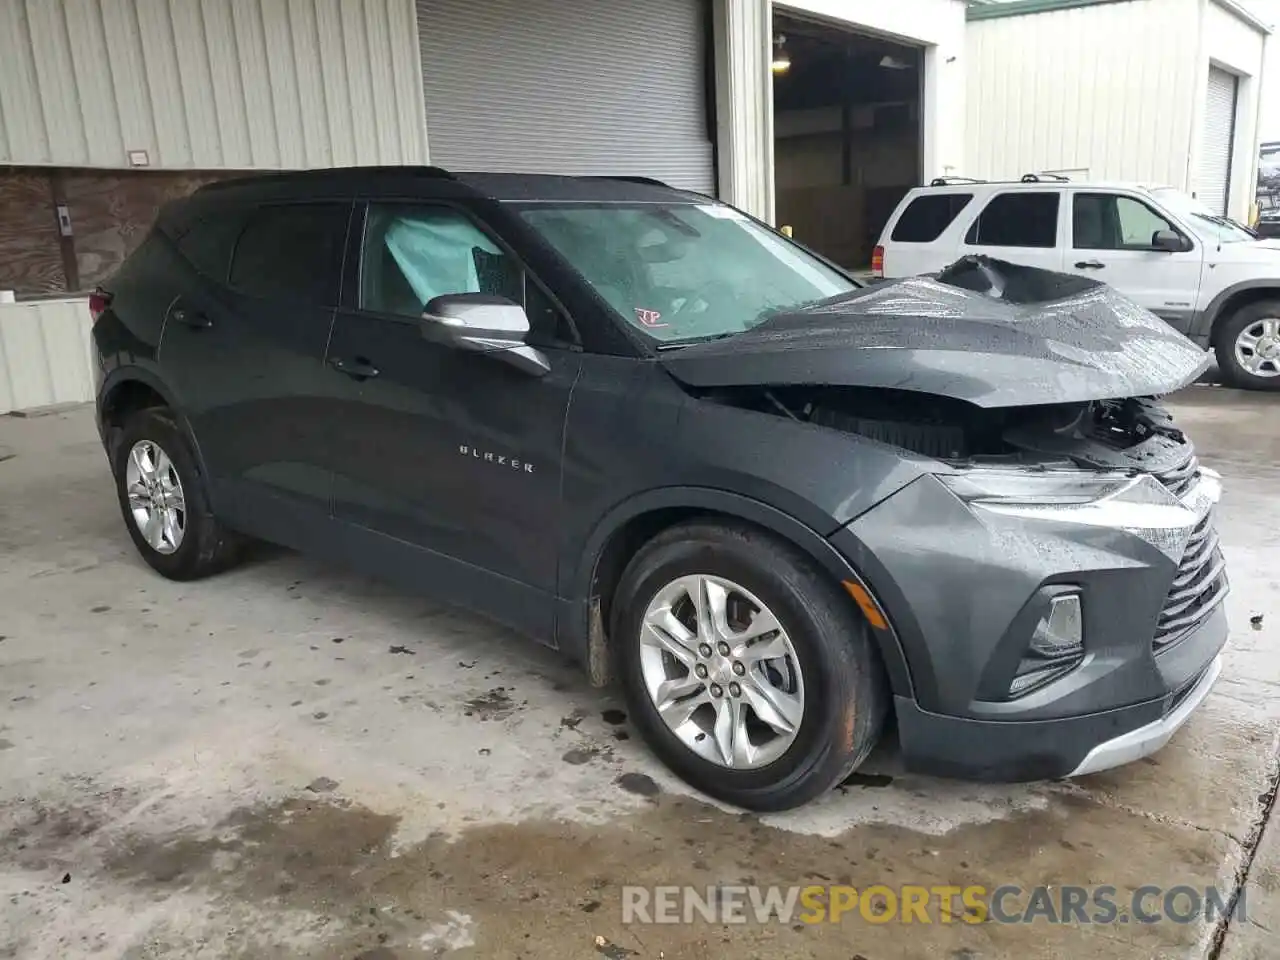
[
  {"x": 44, "y": 353},
  {"x": 1110, "y": 88},
  {"x": 1232, "y": 43},
  {"x": 209, "y": 84},
  {"x": 742, "y": 34}
]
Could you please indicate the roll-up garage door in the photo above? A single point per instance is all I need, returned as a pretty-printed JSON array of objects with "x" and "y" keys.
[
  {"x": 1214, "y": 173},
  {"x": 568, "y": 86}
]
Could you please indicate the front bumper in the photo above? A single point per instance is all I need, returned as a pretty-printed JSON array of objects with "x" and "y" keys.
[
  {"x": 1150, "y": 737},
  {"x": 1011, "y": 751},
  {"x": 960, "y": 586}
]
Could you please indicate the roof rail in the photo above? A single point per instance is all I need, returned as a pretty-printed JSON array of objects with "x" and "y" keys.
[
  {"x": 944, "y": 181},
  {"x": 1041, "y": 177},
  {"x": 650, "y": 181},
  {"x": 321, "y": 173}
]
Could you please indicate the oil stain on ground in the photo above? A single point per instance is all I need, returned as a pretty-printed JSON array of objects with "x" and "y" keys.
[
  {"x": 495, "y": 704},
  {"x": 518, "y": 890}
]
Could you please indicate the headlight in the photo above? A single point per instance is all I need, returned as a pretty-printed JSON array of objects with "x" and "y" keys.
[{"x": 1035, "y": 487}]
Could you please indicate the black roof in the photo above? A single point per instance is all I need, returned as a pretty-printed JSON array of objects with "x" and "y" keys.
[{"x": 399, "y": 180}]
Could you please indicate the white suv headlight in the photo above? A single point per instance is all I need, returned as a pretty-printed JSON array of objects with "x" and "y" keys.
[{"x": 1022, "y": 486}]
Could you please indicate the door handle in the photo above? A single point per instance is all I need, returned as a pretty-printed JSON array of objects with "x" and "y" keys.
[
  {"x": 1089, "y": 264},
  {"x": 191, "y": 318},
  {"x": 357, "y": 369}
]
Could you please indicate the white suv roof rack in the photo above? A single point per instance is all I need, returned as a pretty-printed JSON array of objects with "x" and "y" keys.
[{"x": 1025, "y": 178}]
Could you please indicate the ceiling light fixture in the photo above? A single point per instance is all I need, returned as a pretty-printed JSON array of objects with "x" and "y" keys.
[
  {"x": 893, "y": 63},
  {"x": 781, "y": 59}
]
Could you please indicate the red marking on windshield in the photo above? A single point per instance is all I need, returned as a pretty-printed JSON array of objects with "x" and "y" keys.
[{"x": 649, "y": 318}]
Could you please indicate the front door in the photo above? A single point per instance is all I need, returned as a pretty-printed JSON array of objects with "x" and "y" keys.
[
  {"x": 454, "y": 455},
  {"x": 246, "y": 352},
  {"x": 1111, "y": 240}
]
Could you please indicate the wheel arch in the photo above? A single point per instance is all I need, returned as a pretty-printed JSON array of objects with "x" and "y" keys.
[
  {"x": 629, "y": 525},
  {"x": 1227, "y": 303},
  {"x": 128, "y": 389}
]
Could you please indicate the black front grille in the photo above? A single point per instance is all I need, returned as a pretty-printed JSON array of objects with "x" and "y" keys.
[
  {"x": 1181, "y": 478},
  {"x": 1198, "y": 587}
]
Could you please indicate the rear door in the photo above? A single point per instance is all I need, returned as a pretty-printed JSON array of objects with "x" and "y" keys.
[
  {"x": 245, "y": 351},
  {"x": 1021, "y": 226},
  {"x": 919, "y": 240},
  {"x": 1111, "y": 240}
]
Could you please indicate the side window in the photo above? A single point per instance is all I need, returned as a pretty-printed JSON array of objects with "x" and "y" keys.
[
  {"x": 1101, "y": 221},
  {"x": 292, "y": 252},
  {"x": 1021, "y": 218},
  {"x": 927, "y": 216},
  {"x": 413, "y": 254},
  {"x": 208, "y": 244}
]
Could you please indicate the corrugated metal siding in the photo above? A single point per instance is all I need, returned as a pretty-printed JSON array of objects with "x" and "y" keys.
[
  {"x": 210, "y": 84},
  {"x": 582, "y": 87},
  {"x": 1108, "y": 88},
  {"x": 44, "y": 354},
  {"x": 1217, "y": 131}
]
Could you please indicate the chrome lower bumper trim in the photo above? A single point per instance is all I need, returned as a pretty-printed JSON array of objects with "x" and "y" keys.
[{"x": 1146, "y": 740}]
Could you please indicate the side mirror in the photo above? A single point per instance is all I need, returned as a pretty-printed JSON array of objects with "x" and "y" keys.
[
  {"x": 1168, "y": 240},
  {"x": 482, "y": 323}
]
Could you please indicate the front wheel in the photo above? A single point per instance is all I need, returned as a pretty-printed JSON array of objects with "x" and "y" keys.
[
  {"x": 1248, "y": 347},
  {"x": 744, "y": 667}
]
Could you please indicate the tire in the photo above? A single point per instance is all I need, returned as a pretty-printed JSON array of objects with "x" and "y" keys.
[
  {"x": 1250, "y": 320},
  {"x": 843, "y": 690},
  {"x": 204, "y": 546}
]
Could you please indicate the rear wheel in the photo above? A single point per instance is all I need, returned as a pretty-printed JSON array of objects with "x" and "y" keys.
[
  {"x": 163, "y": 500},
  {"x": 744, "y": 667},
  {"x": 1248, "y": 347}
]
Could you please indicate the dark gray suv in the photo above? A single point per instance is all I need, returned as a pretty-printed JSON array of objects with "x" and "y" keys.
[{"x": 651, "y": 432}]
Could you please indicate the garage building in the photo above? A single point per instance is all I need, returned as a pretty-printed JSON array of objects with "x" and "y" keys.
[
  {"x": 108, "y": 108},
  {"x": 1157, "y": 91}
]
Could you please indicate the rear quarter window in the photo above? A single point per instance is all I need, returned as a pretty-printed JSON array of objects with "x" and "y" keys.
[
  {"x": 208, "y": 242},
  {"x": 927, "y": 216}
]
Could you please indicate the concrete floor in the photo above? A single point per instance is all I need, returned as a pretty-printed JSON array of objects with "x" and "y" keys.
[{"x": 246, "y": 768}]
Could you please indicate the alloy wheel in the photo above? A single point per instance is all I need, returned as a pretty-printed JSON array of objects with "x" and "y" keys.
[
  {"x": 156, "y": 499},
  {"x": 721, "y": 671},
  {"x": 1257, "y": 347}
]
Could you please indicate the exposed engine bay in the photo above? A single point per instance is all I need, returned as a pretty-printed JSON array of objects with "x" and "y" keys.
[{"x": 1135, "y": 433}]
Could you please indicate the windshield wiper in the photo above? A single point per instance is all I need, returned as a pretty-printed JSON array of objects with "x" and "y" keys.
[
  {"x": 677, "y": 344},
  {"x": 1223, "y": 221}
]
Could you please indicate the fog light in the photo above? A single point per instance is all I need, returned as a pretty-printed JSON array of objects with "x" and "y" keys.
[{"x": 1057, "y": 645}]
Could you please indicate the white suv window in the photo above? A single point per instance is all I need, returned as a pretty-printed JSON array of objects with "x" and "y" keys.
[
  {"x": 1019, "y": 218},
  {"x": 1110, "y": 221},
  {"x": 927, "y": 216}
]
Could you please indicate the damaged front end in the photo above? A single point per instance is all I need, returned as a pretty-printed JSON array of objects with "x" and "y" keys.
[{"x": 1055, "y": 561}]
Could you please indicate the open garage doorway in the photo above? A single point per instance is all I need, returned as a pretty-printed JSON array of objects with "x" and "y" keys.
[{"x": 847, "y": 134}]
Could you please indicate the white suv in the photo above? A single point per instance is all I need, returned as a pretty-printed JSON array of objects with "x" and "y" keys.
[{"x": 1208, "y": 277}]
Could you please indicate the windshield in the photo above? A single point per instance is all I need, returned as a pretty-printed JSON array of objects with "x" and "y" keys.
[
  {"x": 682, "y": 271},
  {"x": 1208, "y": 225}
]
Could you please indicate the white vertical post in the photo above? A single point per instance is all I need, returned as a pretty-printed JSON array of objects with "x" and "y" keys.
[{"x": 744, "y": 104}]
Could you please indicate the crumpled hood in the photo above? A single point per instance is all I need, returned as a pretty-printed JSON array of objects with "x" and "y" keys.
[{"x": 989, "y": 332}]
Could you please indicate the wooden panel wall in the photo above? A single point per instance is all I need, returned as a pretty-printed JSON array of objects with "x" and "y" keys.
[
  {"x": 30, "y": 251},
  {"x": 111, "y": 213}
]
